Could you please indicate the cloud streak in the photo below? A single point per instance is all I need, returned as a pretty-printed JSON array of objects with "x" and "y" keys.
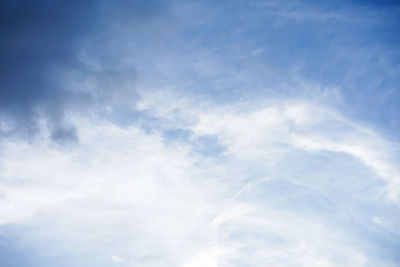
[
  {"x": 204, "y": 134},
  {"x": 162, "y": 203}
]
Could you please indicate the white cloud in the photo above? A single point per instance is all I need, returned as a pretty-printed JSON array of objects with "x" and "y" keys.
[
  {"x": 120, "y": 186},
  {"x": 273, "y": 131},
  {"x": 267, "y": 134},
  {"x": 285, "y": 182},
  {"x": 138, "y": 200}
]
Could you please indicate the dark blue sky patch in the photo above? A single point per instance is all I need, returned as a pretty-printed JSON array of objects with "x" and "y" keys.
[{"x": 41, "y": 42}]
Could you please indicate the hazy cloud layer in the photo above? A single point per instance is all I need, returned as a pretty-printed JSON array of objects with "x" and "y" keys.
[
  {"x": 211, "y": 133},
  {"x": 271, "y": 196}
]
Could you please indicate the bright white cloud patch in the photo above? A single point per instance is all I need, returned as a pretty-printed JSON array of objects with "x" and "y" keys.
[
  {"x": 277, "y": 193},
  {"x": 120, "y": 187}
]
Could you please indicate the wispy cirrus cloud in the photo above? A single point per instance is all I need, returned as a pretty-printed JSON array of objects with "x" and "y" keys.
[
  {"x": 210, "y": 134},
  {"x": 161, "y": 203}
]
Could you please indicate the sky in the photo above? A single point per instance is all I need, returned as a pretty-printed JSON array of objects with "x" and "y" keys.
[{"x": 199, "y": 133}]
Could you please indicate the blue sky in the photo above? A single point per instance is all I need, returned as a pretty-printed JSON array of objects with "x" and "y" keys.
[{"x": 199, "y": 133}]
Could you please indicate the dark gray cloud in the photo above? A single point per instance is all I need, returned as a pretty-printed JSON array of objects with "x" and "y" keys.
[{"x": 41, "y": 42}]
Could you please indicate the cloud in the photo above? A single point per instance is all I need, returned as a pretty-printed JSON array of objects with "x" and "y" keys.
[
  {"x": 322, "y": 166},
  {"x": 48, "y": 50},
  {"x": 131, "y": 198},
  {"x": 205, "y": 142},
  {"x": 136, "y": 193}
]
